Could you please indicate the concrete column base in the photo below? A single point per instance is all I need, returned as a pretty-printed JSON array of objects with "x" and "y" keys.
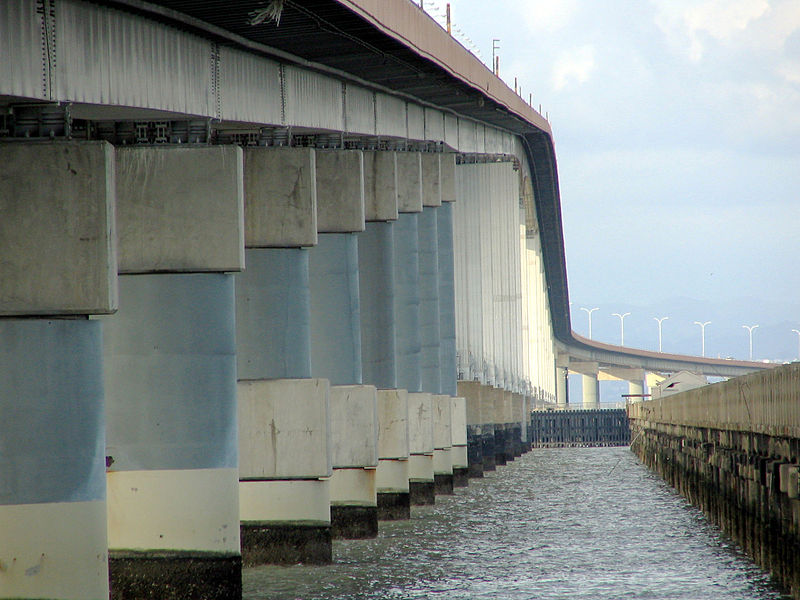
[
  {"x": 286, "y": 543},
  {"x": 394, "y": 506},
  {"x": 354, "y": 522},
  {"x": 393, "y": 498},
  {"x": 516, "y": 439},
  {"x": 421, "y": 483},
  {"x": 354, "y": 504},
  {"x": 460, "y": 466},
  {"x": 174, "y": 575},
  {"x": 443, "y": 470},
  {"x": 488, "y": 444},
  {"x": 285, "y": 522},
  {"x": 500, "y": 456},
  {"x": 475, "y": 450}
]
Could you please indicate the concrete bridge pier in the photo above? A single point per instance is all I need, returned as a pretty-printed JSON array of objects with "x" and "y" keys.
[
  {"x": 284, "y": 420},
  {"x": 336, "y": 342},
  {"x": 459, "y": 451},
  {"x": 58, "y": 267},
  {"x": 442, "y": 443},
  {"x": 170, "y": 372},
  {"x": 376, "y": 261}
]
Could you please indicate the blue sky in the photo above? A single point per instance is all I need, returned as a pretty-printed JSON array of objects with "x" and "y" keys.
[{"x": 677, "y": 131}]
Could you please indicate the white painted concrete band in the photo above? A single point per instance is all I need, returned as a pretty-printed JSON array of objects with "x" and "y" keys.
[
  {"x": 285, "y": 500},
  {"x": 55, "y": 551},
  {"x": 442, "y": 461},
  {"x": 459, "y": 455},
  {"x": 420, "y": 467},
  {"x": 194, "y": 509},
  {"x": 392, "y": 476},
  {"x": 354, "y": 487}
]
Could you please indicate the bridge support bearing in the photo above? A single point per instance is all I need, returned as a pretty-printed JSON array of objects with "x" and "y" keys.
[
  {"x": 284, "y": 466},
  {"x": 421, "y": 448},
  {"x": 53, "y": 520},
  {"x": 354, "y": 455},
  {"x": 459, "y": 436},
  {"x": 442, "y": 443},
  {"x": 392, "y": 477}
]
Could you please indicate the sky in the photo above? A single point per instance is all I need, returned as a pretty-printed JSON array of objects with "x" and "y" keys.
[{"x": 677, "y": 135}]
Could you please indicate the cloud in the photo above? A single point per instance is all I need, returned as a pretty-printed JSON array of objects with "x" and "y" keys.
[
  {"x": 688, "y": 21},
  {"x": 574, "y": 65},
  {"x": 546, "y": 15}
]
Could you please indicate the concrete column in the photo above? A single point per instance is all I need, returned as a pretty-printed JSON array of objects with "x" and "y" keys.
[
  {"x": 58, "y": 258},
  {"x": 447, "y": 321},
  {"x": 170, "y": 371},
  {"x": 591, "y": 391},
  {"x": 430, "y": 363},
  {"x": 420, "y": 446},
  {"x": 510, "y": 425},
  {"x": 500, "y": 431},
  {"x": 471, "y": 392},
  {"x": 459, "y": 437},
  {"x": 636, "y": 388},
  {"x": 408, "y": 343},
  {"x": 354, "y": 457},
  {"x": 442, "y": 443},
  {"x": 392, "y": 478},
  {"x": 377, "y": 300},
  {"x": 335, "y": 319},
  {"x": 284, "y": 420}
]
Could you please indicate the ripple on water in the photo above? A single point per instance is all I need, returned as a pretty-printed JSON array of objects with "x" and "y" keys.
[{"x": 583, "y": 523}]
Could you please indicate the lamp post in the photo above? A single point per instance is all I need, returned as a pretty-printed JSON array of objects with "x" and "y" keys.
[
  {"x": 621, "y": 326},
  {"x": 750, "y": 334},
  {"x": 798, "y": 343},
  {"x": 589, "y": 312},
  {"x": 703, "y": 335},
  {"x": 660, "y": 321}
]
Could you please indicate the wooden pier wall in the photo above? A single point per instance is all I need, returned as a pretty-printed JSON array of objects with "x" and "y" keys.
[{"x": 732, "y": 449}]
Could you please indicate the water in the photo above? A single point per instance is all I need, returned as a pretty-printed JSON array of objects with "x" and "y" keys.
[{"x": 583, "y": 523}]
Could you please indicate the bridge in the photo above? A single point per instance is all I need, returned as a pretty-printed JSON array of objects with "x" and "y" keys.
[{"x": 263, "y": 282}]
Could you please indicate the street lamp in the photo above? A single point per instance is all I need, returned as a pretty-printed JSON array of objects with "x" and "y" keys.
[
  {"x": 750, "y": 333},
  {"x": 703, "y": 335},
  {"x": 589, "y": 312},
  {"x": 621, "y": 326},
  {"x": 660, "y": 321},
  {"x": 798, "y": 343}
]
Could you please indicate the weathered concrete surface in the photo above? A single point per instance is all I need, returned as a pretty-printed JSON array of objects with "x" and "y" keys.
[
  {"x": 284, "y": 428},
  {"x": 732, "y": 449},
  {"x": 380, "y": 186},
  {"x": 280, "y": 202},
  {"x": 409, "y": 182},
  {"x": 180, "y": 209},
  {"x": 57, "y": 229},
  {"x": 447, "y": 171},
  {"x": 431, "y": 179},
  {"x": 340, "y": 191}
]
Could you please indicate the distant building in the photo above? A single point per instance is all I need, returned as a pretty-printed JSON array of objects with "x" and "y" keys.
[{"x": 678, "y": 382}]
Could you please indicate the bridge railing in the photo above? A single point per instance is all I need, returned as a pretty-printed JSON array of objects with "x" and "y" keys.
[{"x": 766, "y": 402}]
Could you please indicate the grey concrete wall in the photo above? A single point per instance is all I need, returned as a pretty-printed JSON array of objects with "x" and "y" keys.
[
  {"x": 57, "y": 229},
  {"x": 335, "y": 309},
  {"x": 180, "y": 209},
  {"x": 170, "y": 373},
  {"x": 273, "y": 312},
  {"x": 376, "y": 298},
  {"x": 280, "y": 203},
  {"x": 52, "y": 428}
]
